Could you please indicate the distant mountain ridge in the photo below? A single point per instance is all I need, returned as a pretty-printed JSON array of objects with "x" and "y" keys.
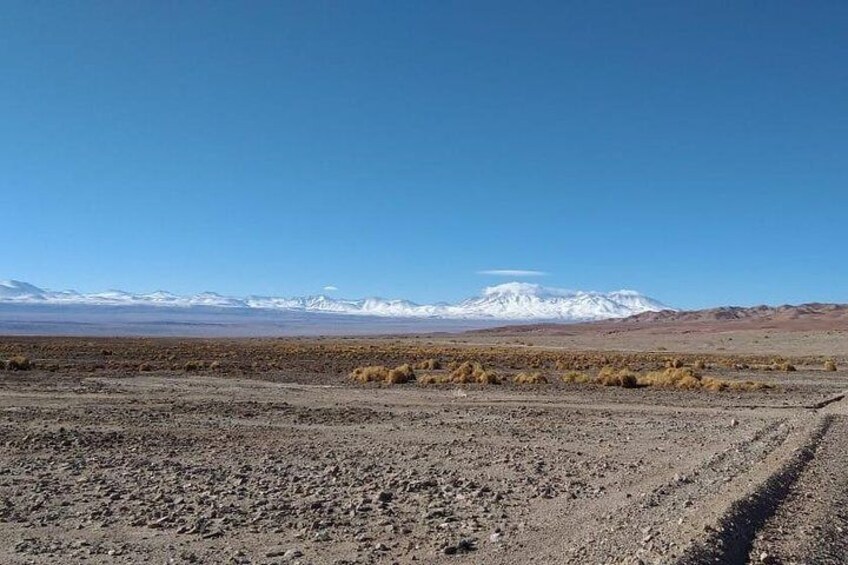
[
  {"x": 813, "y": 316},
  {"x": 784, "y": 312},
  {"x": 509, "y": 301}
]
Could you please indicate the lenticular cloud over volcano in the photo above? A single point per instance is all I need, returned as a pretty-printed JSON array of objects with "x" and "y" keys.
[{"x": 512, "y": 273}]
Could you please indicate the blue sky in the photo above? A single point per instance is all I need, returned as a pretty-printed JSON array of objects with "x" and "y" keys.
[{"x": 695, "y": 151}]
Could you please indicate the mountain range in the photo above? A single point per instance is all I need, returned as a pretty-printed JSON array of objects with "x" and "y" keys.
[{"x": 509, "y": 301}]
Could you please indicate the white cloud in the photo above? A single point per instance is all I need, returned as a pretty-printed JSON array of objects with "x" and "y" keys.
[
  {"x": 512, "y": 273},
  {"x": 331, "y": 288}
]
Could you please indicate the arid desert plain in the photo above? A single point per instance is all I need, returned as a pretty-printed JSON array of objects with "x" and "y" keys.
[{"x": 597, "y": 445}]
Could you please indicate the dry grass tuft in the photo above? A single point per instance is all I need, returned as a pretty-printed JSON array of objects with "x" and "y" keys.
[
  {"x": 682, "y": 378},
  {"x": 830, "y": 365},
  {"x": 488, "y": 378},
  {"x": 625, "y": 378},
  {"x": 382, "y": 374},
  {"x": 529, "y": 379},
  {"x": 428, "y": 365},
  {"x": 714, "y": 385},
  {"x": 401, "y": 374},
  {"x": 370, "y": 374},
  {"x": 19, "y": 363},
  {"x": 472, "y": 372},
  {"x": 433, "y": 379},
  {"x": 784, "y": 366},
  {"x": 576, "y": 377},
  {"x": 687, "y": 379},
  {"x": 748, "y": 386},
  {"x": 468, "y": 372}
]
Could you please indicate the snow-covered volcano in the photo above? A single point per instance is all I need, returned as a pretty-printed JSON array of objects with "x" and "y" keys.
[
  {"x": 524, "y": 301},
  {"x": 510, "y": 301}
]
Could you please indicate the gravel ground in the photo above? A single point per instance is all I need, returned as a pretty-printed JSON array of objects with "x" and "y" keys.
[
  {"x": 810, "y": 525},
  {"x": 176, "y": 467}
]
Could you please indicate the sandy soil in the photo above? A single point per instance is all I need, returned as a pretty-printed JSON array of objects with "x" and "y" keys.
[
  {"x": 724, "y": 340},
  {"x": 274, "y": 456}
]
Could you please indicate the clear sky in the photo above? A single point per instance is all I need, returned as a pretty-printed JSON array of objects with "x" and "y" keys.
[{"x": 695, "y": 151}]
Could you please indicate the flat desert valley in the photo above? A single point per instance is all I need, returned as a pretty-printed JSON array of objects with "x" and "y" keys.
[{"x": 708, "y": 444}]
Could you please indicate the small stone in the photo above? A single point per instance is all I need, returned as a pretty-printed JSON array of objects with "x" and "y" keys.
[{"x": 275, "y": 552}]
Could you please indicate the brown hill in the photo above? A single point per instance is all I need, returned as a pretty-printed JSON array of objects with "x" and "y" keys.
[{"x": 804, "y": 317}]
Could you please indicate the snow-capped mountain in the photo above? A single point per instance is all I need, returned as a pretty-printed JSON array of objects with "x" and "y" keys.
[
  {"x": 519, "y": 301},
  {"x": 510, "y": 301},
  {"x": 17, "y": 290}
]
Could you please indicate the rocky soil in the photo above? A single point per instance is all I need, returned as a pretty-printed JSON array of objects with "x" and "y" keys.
[{"x": 192, "y": 466}]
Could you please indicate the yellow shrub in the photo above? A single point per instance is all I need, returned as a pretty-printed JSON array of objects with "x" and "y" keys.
[
  {"x": 488, "y": 378},
  {"x": 431, "y": 379},
  {"x": 624, "y": 378},
  {"x": 19, "y": 363},
  {"x": 400, "y": 374},
  {"x": 576, "y": 377},
  {"x": 529, "y": 379},
  {"x": 428, "y": 365},
  {"x": 682, "y": 378},
  {"x": 371, "y": 373},
  {"x": 472, "y": 372},
  {"x": 687, "y": 379}
]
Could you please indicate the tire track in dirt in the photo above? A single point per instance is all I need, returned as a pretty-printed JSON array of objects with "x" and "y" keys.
[
  {"x": 809, "y": 524},
  {"x": 648, "y": 516},
  {"x": 766, "y": 525}
]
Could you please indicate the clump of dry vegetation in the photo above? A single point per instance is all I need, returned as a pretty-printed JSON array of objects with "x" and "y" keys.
[
  {"x": 686, "y": 378},
  {"x": 680, "y": 378},
  {"x": 534, "y": 378},
  {"x": 433, "y": 379},
  {"x": 784, "y": 366},
  {"x": 576, "y": 377},
  {"x": 428, "y": 365},
  {"x": 340, "y": 356},
  {"x": 19, "y": 363},
  {"x": 382, "y": 374},
  {"x": 467, "y": 372},
  {"x": 830, "y": 365},
  {"x": 400, "y": 374},
  {"x": 488, "y": 378},
  {"x": 472, "y": 372},
  {"x": 370, "y": 374},
  {"x": 625, "y": 378},
  {"x": 744, "y": 386}
]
